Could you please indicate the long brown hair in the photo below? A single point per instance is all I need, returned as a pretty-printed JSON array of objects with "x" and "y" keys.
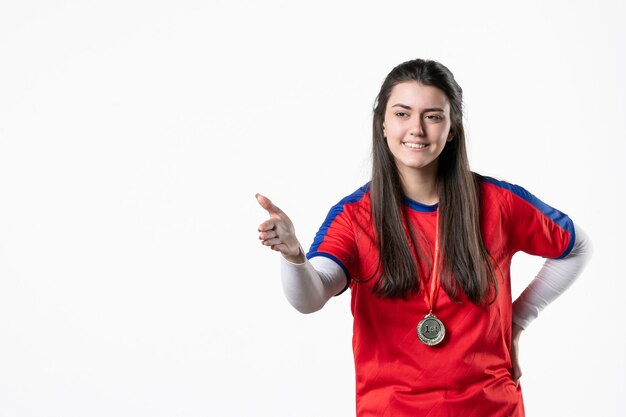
[{"x": 465, "y": 260}]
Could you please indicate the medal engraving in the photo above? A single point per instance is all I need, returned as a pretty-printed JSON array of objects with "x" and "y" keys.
[{"x": 431, "y": 330}]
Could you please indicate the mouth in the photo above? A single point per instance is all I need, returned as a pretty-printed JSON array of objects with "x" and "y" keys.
[{"x": 412, "y": 145}]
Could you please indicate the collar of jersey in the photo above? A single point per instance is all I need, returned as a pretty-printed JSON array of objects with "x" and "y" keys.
[{"x": 417, "y": 206}]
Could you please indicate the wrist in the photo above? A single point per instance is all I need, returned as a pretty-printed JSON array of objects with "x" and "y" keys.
[{"x": 297, "y": 258}]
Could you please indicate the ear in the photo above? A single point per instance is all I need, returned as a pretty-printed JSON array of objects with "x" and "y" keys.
[
  {"x": 384, "y": 131},
  {"x": 450, "y": 136}
]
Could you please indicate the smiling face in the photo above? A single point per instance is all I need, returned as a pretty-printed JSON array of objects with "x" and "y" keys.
[{"x": 416, "y": 127}]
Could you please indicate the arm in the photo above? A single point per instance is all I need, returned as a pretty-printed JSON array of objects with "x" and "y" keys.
[
  {"x": 553, "y": 279},
  {"x": 309, "y": 285}
]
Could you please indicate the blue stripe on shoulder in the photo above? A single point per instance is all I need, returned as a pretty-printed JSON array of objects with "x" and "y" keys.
[
  {"x": 553, "y": 214},
  {"x": 335, "y": 211}
]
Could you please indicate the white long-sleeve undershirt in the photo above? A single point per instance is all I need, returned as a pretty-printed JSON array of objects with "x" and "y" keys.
[
  {"x": 554, "y": 277},
  {"x": 309, "y": 285}
]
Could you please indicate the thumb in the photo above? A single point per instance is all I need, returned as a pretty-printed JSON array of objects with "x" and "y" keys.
[{"x": 267, "y": 204}]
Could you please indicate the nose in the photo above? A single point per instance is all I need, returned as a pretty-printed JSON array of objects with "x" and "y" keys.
[{"x": 417, "y": 129}]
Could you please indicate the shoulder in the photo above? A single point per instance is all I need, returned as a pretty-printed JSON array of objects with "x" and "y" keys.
[
  {"x": 354, "y": 204},
  {"x": 358, "y": 195},
  {"x": 518, "y": 199},
  {"x": 497, "y": 187},
  {"x": 338, "y": 229},
  {"x": 359, "y": 198}
]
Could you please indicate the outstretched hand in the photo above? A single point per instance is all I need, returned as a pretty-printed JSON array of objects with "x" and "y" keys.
[
  {"x": 517, "y": 371},
  {"x": 278, "y": 232}
]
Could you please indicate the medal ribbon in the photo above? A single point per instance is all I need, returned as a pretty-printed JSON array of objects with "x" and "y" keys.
[{"x": 431, "y": 299}]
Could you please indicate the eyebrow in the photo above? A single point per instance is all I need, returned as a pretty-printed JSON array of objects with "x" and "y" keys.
[{"x": 430, "y": 109}]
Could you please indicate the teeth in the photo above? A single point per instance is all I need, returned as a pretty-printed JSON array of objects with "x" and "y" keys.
[{"x": 415, "y": 145}]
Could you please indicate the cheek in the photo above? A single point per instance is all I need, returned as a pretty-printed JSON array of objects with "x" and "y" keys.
[
  {"x": 445, "y": 134},
  {"x": 392, "y": 131}
]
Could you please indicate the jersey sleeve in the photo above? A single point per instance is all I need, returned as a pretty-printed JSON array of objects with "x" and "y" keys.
[
  {"x": 537, "y": 228},
  {"x": 335, "y": 239}
]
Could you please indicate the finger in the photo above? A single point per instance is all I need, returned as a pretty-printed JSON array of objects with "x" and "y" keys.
[
  {"x": 268, "y": 235},
  {"x": 273, "y": 242},
  {"x": 267, "y": 225},
  {"x": 282, "y": 248},
  {"x": 267, "y": 204},
  {"x": 517, "y": 373}
]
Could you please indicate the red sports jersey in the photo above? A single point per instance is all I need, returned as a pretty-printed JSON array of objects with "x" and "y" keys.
[{"x": 469, "y": 373}]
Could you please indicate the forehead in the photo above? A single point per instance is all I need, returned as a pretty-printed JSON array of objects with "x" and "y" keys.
[{"x": 418, "y": 96}]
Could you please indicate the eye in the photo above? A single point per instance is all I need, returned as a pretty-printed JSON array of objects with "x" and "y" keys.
[
  {"x": 434, "y": 117},
  {"x": 402, "y": 114}
]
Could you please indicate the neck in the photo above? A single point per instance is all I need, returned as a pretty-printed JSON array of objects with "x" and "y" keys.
[{"x": 421, "y": 186}]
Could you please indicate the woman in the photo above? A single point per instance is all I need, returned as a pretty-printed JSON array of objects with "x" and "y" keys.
[{"x": 426, "y": 248}]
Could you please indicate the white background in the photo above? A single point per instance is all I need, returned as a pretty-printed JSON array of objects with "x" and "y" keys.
[{"x": 134, "y": 135}]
